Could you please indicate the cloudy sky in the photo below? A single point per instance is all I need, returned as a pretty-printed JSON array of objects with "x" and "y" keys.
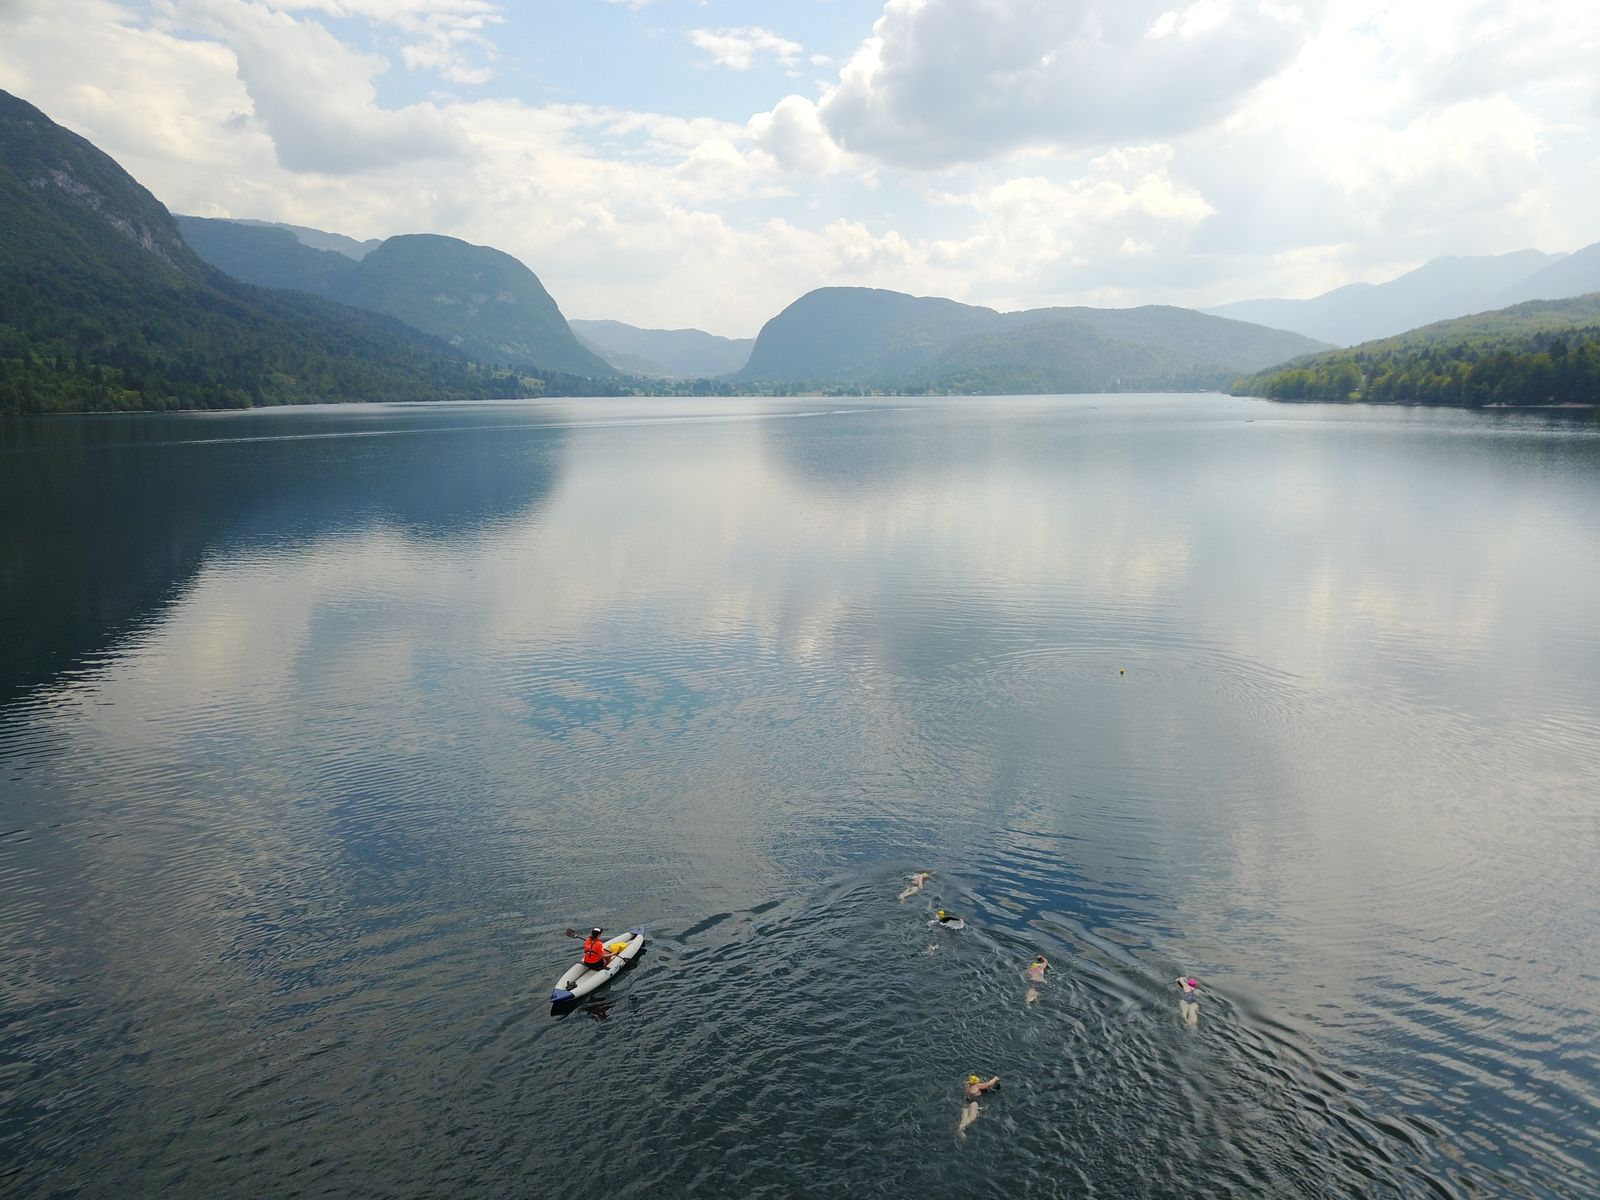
[{"x": 704, "y": 162}]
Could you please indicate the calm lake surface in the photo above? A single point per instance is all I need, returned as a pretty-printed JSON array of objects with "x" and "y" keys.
[{"x": 318, "y": 727}]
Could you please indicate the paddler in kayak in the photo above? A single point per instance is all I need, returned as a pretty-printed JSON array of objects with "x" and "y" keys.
[{"x": 595, "y": 955}]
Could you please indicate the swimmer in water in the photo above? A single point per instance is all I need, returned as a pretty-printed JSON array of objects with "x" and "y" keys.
[
  {"x": 1189, "y": 999},
  {"x": 918, "y": 878},
  {"x": 943, "y": 921},
  {"x": 975, "y": 1087},
  {"x": 1035, "y": 974}
]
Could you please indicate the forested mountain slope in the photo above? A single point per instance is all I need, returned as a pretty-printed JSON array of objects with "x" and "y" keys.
[
  {"x": 886, "y": 340},
  {"x": 479, "y": 299},
  {"x": 861, "y": 335},
  {"x": 268, "y": 256},
  {"x": 103, "y": 305},
  {"x": 1539, "y": 353}
]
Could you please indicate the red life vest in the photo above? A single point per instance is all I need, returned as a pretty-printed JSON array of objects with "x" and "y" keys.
[{"x": 594, "y": 952}]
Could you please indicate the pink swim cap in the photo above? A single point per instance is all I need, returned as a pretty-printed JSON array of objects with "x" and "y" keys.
[{"x": 1193, "y": 982}]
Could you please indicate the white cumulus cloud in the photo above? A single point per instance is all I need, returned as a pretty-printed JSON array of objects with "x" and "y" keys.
[
  {"x": 1057, "y": 238},
  {"x": 1013, "y": 153},
  {"x": 314, "y": 95},
  {"x": 793, "y": 134},
  {"x": 744, "y": 47},
  {"x": 952, "y": 81}
]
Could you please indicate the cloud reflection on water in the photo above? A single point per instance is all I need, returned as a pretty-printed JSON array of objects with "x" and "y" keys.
[{"x": 716, "y": 659}]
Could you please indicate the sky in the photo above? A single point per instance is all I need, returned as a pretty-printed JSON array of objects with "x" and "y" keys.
[{"x": 703, "y": 163}]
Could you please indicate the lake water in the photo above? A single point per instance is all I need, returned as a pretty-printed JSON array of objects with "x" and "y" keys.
[{"x": 318, "y": 728}]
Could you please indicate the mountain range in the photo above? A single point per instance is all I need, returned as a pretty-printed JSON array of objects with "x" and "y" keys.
[
  {"x": 103, "y": 305},
  {"x": 671, "y": 353},
  {"x": 1537, "y": 353},
  {"x": 1436, "y": 291},
  {"x": 319, "y": 239},
  {"x": 107, "y": 302},
  {"x": 479, "y": 299},
  {"x": 884, "y": 340}
]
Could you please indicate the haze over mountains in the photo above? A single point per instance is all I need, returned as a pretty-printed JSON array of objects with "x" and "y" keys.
[
  {"x": 885, "y": 340},
  {"x": 107, "y": 302},
  {"x": 480, "y": 300},
  {"x": 978, "y": 349},
  {"x": 830, "y": 338},
  {"x": 1439, "y": 290},
  {"x": 673, "y": 353},
  {"x": 1575, "y": 274},
  {"x": 1436, "y": 291},
  {"x": 484, "y": 302},
  {"x": 319, "y": 239}
]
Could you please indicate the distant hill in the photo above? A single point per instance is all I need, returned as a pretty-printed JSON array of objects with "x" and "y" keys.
[
  {"x": 1541, "y": 352},
  {"x": 861, "y": 335},
  {"x": 884, "y": 340},
  {"x": 1153, "y": 347},
  {"x": 269, "y": 256},
  {"x": 321, "y": 239},
  {"x": 1435, "y": 291},
  {"x": 479, "y": 299},
  {"x": 1575, "y": 275},
  {"x": 677, "y": 353},
  {"x": 103, "y": 305},
  {"x": 475, "y": 297},
  {"x": 644, "y": 368}
]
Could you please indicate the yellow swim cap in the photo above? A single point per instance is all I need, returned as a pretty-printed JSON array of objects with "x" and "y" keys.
[
  {"x": 973, "y": 1079},
  {"x": 941, "y": 914}
]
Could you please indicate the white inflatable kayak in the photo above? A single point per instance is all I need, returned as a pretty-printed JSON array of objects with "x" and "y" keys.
[{"x": 580, "y": 980}]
